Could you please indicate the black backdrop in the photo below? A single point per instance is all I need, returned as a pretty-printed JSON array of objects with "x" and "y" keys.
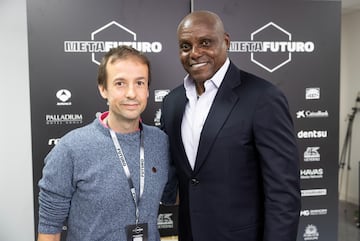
[{"x": 66, "y": 39}]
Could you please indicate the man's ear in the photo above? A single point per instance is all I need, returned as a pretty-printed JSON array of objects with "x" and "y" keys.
[
  {"x": 103, "y": 91},
  {"x": 227, "y": 40}
]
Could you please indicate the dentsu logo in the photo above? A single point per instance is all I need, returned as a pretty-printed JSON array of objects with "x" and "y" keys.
[{"x": 311, "y": 134}]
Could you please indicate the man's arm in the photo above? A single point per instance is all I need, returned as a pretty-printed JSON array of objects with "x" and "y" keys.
[
  {"x": 49, "y": 237},
  {"x": 276, "y": 142},
  {"x": 169, "y": 196}
]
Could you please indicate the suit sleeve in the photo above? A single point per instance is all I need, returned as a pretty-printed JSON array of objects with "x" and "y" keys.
[
  {"x": 170, "y": 191},
  {"x": 276, "y": 145}
]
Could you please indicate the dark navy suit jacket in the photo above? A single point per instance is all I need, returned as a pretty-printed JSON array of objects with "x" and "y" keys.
[{"x": 245, "y": 184}]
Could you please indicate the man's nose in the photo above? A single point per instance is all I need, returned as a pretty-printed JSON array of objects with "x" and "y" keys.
[
  {"x": 130, "y": 91},
  {"x": 195, "y": 52}
]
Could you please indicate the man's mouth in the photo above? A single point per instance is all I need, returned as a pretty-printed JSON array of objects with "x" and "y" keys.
[
  {"x": 130, "y": 105},
  {"x": 198, "y": 65}
]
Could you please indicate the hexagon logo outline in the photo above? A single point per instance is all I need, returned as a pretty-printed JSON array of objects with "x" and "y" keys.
[
  {"x": 105, "y": 27},
  {"x": 252, "y": 54}
]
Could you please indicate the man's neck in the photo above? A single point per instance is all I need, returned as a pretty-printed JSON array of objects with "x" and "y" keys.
[{"x": 200, "y": 88}]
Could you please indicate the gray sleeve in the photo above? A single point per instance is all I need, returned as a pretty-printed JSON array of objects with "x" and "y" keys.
[{"x": 56, "y": 189}]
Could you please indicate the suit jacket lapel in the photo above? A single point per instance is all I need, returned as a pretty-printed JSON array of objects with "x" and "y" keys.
[{"x": 223, "y": 103}]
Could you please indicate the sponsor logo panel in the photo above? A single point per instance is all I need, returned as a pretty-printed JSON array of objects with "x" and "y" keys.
[
  {"x": 53, "y": 141},
  {"x": 312, "y": 93},
  {"x": 316, "y": 173},
  {"x": 312, "y": 154},
  {"x": 60, "y": 119},
  {"x": 302, "y": 134},
  {"x": 313, "y": 212},
  {"x": 63, "y": 95},
  {"x": 314, "y": 192},
  {"x": 160, "y": 94},
  {"x": 157, "y": 117},
  {"x": 311, "y": 233},
  {"x": 165, "y": 221},
  {"x": 311, "y": 114}
]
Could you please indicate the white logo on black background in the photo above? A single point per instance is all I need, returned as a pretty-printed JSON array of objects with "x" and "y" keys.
[
  {"x": 285, "y": 47},
  {"x": 313, "y": 212},
  {"x": 314, "y": 192},
  {"x": 311, "y": 173},
  {"x": 94, "y": 46},
  {"x": 64, "y": 119},
  {"x": 157, "y": 118},
  {"x": 312, "y": 93},
  {"x": 53, "y": 141},
  {"x": 311, "y": 233},
  {"x": 165, "y": 221},
  {"x": 312, "y": 154},
  {"x": 311, "y": 114},
  {"x": 63, "y": 95},
  {"x": 160, "y": 94},
  {"x": 311, "y": 134}
]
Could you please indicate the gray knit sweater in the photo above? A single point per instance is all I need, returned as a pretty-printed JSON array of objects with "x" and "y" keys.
[{"x": 84, "y": 183}]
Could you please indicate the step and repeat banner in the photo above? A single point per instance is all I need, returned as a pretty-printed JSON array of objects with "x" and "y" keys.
[{"x": 294, "y": 44}]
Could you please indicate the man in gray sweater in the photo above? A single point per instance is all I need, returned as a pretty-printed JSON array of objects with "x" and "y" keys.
[{"x": 106, "y": 178}]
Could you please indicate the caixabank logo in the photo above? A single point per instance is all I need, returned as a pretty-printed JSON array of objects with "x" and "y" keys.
[
  {"x": 271, "y": 47},
  {"x": 110, "y": 36}
]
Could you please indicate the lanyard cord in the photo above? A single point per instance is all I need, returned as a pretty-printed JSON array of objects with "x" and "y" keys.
[{"x": 127, "y": 171}]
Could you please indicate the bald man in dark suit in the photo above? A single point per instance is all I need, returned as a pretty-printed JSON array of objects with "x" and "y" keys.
[{"x": 232, "y": 144}]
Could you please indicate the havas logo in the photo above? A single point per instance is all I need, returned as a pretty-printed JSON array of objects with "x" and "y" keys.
[
  {"x": 311, "y": 173},
  {"x": 311, "y": 134},
  {"x": 107, "y": 37},
  {"x": 271, "y": 47}
]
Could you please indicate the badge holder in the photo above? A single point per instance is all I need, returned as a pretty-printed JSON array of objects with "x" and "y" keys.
[{"x": 137, "y": 232}]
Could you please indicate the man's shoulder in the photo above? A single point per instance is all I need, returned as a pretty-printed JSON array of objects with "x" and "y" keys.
[
  {"x": 83, "y": 132},
  {"x": 251, "y": 79},
  {"x": 153, "y": 130},
  {"x": 175, "y": 94},
  {"x": 179, "y": 90}
]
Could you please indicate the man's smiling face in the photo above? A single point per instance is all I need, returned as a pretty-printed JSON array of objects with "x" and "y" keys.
[{"x": 203, "y": 47}]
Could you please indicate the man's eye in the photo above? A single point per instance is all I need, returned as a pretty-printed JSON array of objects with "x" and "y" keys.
[
  {"x": 140, "y": 83},
  {"x": 205, "y": 43},
  {"x": 185, "y": 46}
]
